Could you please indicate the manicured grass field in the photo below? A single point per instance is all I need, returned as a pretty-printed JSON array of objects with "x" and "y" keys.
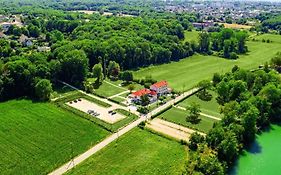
[
  {"x": 138, "y": 152},
  {"x": 272, "y": 37},
  {"x": 185, "y": 74},
  {"x": 211, "y": 107},
  {"x": 178, "y": 116},
  {"x": 36, "y": 138},
  {"x": 108, "y": 90}
]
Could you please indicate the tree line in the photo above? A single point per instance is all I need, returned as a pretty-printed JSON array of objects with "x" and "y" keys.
[{"x": 250, "y": 102}]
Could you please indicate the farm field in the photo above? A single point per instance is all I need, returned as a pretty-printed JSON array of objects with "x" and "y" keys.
[
  {"x": 41, "y": 135},
  {"x": 137, "y": 152},
  {"x": 178, "y": 116},
  {"x": 236, "y": 26},
  {"x": 186, "y": 73},
  {"x": 211, "y": 107}
]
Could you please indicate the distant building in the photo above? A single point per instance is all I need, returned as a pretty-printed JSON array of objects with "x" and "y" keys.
[
  {"x": 203, "y": 25},
  {"x": 44, "y": 49},
  {"x": 5, "y": 26},
  {"x": 25, "y": 41}
]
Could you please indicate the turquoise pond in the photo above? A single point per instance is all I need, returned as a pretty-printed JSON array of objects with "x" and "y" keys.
[{"x": 264, "y": 156}]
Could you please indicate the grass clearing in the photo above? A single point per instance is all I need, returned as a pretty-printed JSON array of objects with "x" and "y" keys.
[
  {"x": 36, "y": 138},
  {"x": 178, "y": 116},
  {"x": 208, "y": 107},
  {"x": 107, "y": 90},
  {"x": 137, "y": 152},
  {"x": 191, "y": 36},
  {"x": 186, "y": 73}
]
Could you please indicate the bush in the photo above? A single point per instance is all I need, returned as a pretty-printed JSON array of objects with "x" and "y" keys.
[
  {"x": 233, "y": 56},
  {"x": 143, "y": 110},
  {"x": 142, "y": 124}
]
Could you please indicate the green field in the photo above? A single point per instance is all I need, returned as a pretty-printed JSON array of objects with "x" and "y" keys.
[
  {"x": 107, "y": 90},
  {"x": 138, "y": 152},
  {"x": 273, "y": 38},
  {"x": 191, "y": 36},
  {"x": 211, "y": 107},
  {"x": 178, "y": 116},
  {"x": 186, "y": 73},
  {"x": 36, "y": 138}
]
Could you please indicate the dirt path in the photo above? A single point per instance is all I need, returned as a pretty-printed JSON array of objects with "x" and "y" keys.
[
  {"x": 114, "y": 85},
  {"x": 118, "y": 95},
  {"x": 171, "y": 129}
]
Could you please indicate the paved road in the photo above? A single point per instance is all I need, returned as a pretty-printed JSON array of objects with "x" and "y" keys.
[{"x": 80, "y": 158}]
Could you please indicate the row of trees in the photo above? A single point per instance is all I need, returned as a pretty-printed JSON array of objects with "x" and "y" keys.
[
  {"x": 251, "y": 101},
  {"x": 228, "y": 43}
]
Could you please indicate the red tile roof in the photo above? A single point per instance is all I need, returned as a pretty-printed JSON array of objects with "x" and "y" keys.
[
  {"x": 141, "y": 92},
  {"x": 160, "y": 84}
]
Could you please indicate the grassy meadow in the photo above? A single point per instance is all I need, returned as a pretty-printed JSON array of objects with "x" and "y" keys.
[
  {"x": 36, "y": 138},
  {"x": 178, "y": 116},
  {"x": 207, "y": 107},
  {"x": 137, "y": 152},
  {"x": 186, "y": 73},
  {"x": 272, "y": 37}
]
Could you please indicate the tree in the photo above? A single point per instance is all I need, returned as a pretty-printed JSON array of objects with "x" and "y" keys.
[
  {"x": 194, "y": 113},
  {"x": 204, "y": 42},
  {"x": 127, "y": 76},
  {"x": 228, "y": 149},
  {"x": 204, "y": 161},
  {"x": 144, "y": 100},
  {"x": 113, "y": 69},
  {"x": 43, "y": 89},
  {"x": 98, "y": 73},
  {"x": 194, "y": 141},
  {"x": 203, "y": 94},
  {"x": 131, "y": 87},
  {"x": 276, "y": 62},
  {"x": 74, "y": 67}
]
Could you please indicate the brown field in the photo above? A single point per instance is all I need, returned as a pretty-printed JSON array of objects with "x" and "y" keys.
[{"x": 236, "y": 26}]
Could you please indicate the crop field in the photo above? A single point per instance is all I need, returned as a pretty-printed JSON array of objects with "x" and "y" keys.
[
  {"x": 207, "y": 107},
  {"x": 137, "y": 152},
  {"x": 186, "y": 73},
  {"x": 236, "y": 26},
  {"x": 35, "y": 138},
  {"x": 178, "y": 116}
]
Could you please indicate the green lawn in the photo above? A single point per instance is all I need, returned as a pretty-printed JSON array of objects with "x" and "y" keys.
[
  {"x": 137, "y": 152},
  {"x": 62, "y": 90},
  {"x": 211, "y": 107},
  {"x": 107, "y": 90},
  {"x": 178, "y": 116},
  {"x": 191, "y": 36},
  {"x": 36, "y": 138},
  {"x": 186, "y": 73},
  {"x": 272, "y": 37}
]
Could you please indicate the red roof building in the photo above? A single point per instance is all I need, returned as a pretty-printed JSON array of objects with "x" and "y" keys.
[
  {"x": 141, "y": 92},
  {"x": 160, "y": 84}
]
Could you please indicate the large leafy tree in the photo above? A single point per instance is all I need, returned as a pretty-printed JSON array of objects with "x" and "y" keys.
[
  {"x": 74, "y": 67},
  {"x": 43, "y": 89}
]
